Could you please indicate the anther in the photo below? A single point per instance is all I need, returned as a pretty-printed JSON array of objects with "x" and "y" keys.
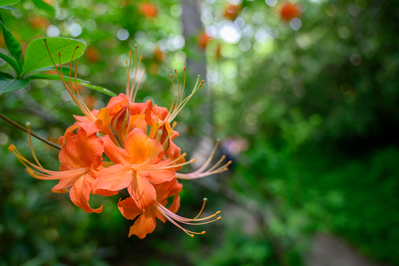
[{"x": 12, "y": 148}]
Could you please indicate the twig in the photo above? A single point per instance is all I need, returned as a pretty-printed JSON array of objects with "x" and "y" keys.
[{"x": 33, "y": 134}]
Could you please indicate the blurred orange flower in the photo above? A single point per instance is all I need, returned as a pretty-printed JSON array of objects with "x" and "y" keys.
[
  {"x": 148, "y": 9},
  {"x": 39, "y": 22},
  {"x": 203, "y": 40},
  {"x": 289, "y": 11},
  {"x": 92, "y": 54},
  {"x": 231, "y": 11},
  {"x": 159, "y": 54}
]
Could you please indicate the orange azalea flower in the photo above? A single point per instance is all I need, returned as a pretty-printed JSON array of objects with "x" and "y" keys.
[
  {"x": 80, "y": 158},
  {"x": 148, "y": 9},
  {"x": 143, "y": 161},
  {"x": 289, "y": 11},
  {"x": 146, "y": 223}
]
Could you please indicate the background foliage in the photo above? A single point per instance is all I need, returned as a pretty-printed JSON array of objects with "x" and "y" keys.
[{"x": 307, "y": 109}]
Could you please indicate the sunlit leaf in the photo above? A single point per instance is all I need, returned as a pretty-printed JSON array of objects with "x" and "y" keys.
[
  {"x": 8, "y": 2},
  {"x": 8, "y": 7},
  {"x": 80, "y": 81},
  {"x": 8, "y": 83},
  {"x": 12, "y": 43},
  {"x": 37, "y": 56},
  {"x": 65, "y": 70},
  {"x": 44, "y": 7}
]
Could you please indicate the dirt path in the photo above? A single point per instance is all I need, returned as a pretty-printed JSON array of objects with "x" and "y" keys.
[{"x": 328, "y": 250}]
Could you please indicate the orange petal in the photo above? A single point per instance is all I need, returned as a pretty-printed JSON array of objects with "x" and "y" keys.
[
  {"x": 90, "y": 149},
  {"x": 138, "y": 121},
  {"x": 80, "y": 151},
  {"x": 64, "y": 183},
  {"x": 140, "y": 146},
  {"x": 148, "y": 112},
  {"x": 103, "y": 122},
  {"x": 128, "y": 208},
  {"x": 68, "y": 155},
  {"x": 113, "y": 178},
  {"x": 158, "y": 176},
  {"x": 106, "y": 193},
  {"x": 117, "y": 103},
  {"x": 142, "y": 192},
  {"x": 144, "y": 225},
  {"x": 160, "y": 112},
  {"x": 137, "y": 108},
  {"x": 90, "y": 128},
  {"x": 167, "y": 189},
  {"x": 115, "y": 154},
  {"x": 80, "y": 194},
  {"x": 175, "y": 204}
]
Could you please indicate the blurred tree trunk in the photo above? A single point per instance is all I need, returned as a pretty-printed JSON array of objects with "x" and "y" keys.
[
  {"x": 192, "y": 26},
  {"x": 196, "y": 62}
]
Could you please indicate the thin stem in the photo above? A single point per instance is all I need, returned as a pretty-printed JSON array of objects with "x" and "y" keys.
[{"x": 33, "y": 134}]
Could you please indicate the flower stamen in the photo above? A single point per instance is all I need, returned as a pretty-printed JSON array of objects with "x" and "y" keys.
[
  {"x": 172, "y": 166},
  {"x": 78, "y": 102},
  {"x": 174, "y": 219},
  {"x": 31, "y": 146},
  {"x": 201, "y": 171}
]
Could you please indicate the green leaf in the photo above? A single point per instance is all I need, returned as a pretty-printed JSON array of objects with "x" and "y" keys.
[
  {"x": 44, "y": 7},
  {"x": 11, "y": 61},
  {"x": 80, "y": 81},
  {"x": 8, "y": 7},
  {"x": 37, "y": 56},
  {"x": 8, "y": 83},
  {"x": 65, "y": 70},
  {"x": 8, "y": 2},
  {"x": 12, "y": 43},
  {"x": 99, "y": 89}
]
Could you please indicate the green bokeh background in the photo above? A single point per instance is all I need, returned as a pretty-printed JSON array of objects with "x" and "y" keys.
[{"x": 307, "y": 110}]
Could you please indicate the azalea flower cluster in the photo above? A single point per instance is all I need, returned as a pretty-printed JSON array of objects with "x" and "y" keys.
[{"x": 138, "y": 141}]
